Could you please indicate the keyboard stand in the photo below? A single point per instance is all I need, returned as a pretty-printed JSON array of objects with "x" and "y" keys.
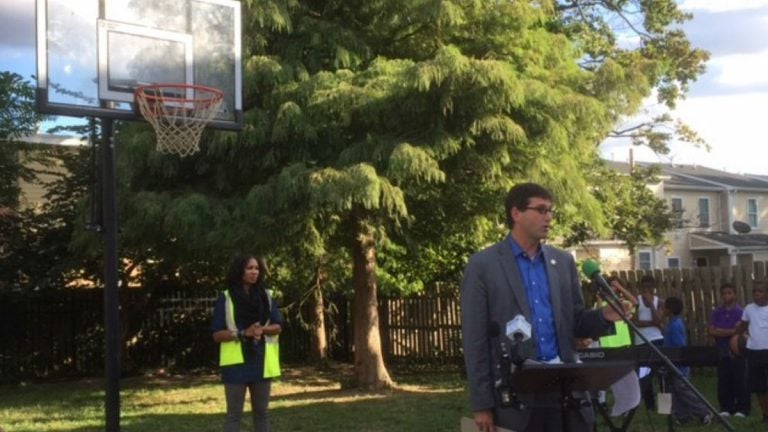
[{"x": 603, "y": 411}]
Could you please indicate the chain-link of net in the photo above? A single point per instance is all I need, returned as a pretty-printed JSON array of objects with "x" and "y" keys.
[{"x": 178, "y": 121}]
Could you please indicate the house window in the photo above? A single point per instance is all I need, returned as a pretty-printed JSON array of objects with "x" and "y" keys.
[
  {"x": 704, "y": 212},
  {"x": 702, "y": 262},
  {"x": 677, "y": 211},
  {"x": 644, "y": 260},
  {"x": 752, "y": 212},
  {"x": 673, "y": 262}
]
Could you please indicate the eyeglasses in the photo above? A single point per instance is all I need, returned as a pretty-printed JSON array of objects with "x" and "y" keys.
[{"x": 542, "y": 210}]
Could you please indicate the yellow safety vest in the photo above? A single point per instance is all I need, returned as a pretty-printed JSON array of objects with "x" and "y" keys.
[
  {"x": 231, "y": 352},
  {"x": 619, "y": 339}
]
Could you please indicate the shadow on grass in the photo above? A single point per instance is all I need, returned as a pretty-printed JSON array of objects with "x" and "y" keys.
[
  {"x": 340, "y": 410},
  {"x": 301, "y": 402},
  {"x": 297, "y": 407}
]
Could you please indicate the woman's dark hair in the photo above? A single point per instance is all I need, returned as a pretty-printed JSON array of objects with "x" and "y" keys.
[
  {"x": 726, "y": 286},
  {"x": 519, "y": 197},
  {"x": 242, "y": 298},
  {"x": 674, "y": 305},
  {"x": 237, "y": 269}
]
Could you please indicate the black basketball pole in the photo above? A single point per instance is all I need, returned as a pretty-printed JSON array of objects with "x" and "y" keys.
[{"x": 111, "y": 300}]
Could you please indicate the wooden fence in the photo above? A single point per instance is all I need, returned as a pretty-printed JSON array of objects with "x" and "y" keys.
[
  {"x": 699, "y": 288},
  {"x": 420, "y": 328},
  {"x": 59, "y": 334}
]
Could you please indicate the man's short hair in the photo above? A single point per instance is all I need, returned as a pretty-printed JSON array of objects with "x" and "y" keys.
[
  {"x": 520, "y": 196},
  {"x": 674, "y": 305}
]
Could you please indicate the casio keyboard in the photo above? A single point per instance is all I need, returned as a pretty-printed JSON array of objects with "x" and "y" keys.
[{"x": 643, "y": 355}]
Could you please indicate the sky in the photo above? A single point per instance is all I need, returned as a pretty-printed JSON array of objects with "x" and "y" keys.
[{"x": 727, "y": 106}]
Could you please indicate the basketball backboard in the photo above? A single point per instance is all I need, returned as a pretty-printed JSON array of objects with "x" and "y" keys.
[{"x": 92, "y": 54}]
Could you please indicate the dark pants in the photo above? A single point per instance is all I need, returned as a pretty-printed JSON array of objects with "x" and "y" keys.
[
  {"x": 732, "y": 392},
  {"x": 685, "y": 404},
  {"x": 235, "y": 394},
  {"x": 646, "y": 384},
  {"x": 545, "y": 420}
]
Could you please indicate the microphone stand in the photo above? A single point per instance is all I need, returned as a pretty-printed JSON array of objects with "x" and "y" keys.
[
  {"x": 507, "y": 395},
  {"x": 615, "y": 303}
]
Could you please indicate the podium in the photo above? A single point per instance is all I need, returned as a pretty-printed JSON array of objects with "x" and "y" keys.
[{"x": 566, "y": 378}]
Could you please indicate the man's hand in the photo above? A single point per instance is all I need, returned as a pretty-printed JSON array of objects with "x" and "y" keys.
[{"x": 484, "y": 421}]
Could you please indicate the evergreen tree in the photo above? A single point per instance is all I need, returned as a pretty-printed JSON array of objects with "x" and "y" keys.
[{"x": 382, "y": 125}]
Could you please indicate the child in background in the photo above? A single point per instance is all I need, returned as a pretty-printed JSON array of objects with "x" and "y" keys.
[
  {"x": 755, "y": 318},
  {"x": 732, "y": 393},
  {"x": 622, "y": 336},
  {"x": 685, "y": 404},
  {"x": 626, "y": 391},
  {"x": 648, "y": 320}
]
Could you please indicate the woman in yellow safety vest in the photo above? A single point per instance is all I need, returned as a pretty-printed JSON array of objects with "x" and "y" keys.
[{"x": 246, "y": 322}]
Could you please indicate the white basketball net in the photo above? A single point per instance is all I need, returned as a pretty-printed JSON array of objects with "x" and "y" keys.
[{"x": 178, "y": 113}]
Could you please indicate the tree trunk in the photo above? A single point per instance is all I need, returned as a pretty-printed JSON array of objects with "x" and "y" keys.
[
  {"x": 318, "y": 345},
  {"x": 370, "y": 371}
]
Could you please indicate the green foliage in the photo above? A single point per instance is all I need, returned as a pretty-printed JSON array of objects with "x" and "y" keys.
[
  {"x": 55, "y": 252},
  {"x": 17, "y": 107},
  {"x": 634, "y": 213},
  {"x": 17, "y": 118},
  {"x": 36, "y": 241},
  {"x": 11, "y": 171},
  {"x": 408, "y": 120},
  {"x": 656, "y": 55}
]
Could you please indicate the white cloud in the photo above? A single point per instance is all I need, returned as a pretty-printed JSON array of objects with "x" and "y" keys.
[
  {"x": 727, "y": 104},
  {"x": 722, "y": 5},
  {"x": 740, "y": 70},
  {"x": 729, "y": 123}
]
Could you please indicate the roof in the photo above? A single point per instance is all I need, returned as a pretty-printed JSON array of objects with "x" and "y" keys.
[
  {"x": 51, "y": 139},
  {"x": 736, "y": 240},
  {"x": 699, "y": 177}
]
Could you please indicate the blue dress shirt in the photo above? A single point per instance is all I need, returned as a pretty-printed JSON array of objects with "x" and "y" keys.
[{"x": 533, "y": 271}]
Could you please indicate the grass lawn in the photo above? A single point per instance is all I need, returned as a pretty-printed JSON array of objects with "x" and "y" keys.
[{"x": 305, "y": 400}]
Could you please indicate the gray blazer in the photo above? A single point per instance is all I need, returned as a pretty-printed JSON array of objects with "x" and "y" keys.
[{"x": 493, "y": 291}]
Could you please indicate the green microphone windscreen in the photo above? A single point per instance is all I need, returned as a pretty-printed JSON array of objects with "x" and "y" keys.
[{"x": 589, "y": 268}]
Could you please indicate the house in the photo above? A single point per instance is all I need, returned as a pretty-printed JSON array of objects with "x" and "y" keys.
[
  {"x": 722, "y": 220},
  {"x": 32, "y": 193}
]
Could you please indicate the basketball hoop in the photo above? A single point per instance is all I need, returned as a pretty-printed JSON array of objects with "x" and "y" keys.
[{"x": 178, "y": 113}]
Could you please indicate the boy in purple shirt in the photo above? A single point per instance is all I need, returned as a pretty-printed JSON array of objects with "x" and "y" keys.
[{"x": 732, "y": 393}]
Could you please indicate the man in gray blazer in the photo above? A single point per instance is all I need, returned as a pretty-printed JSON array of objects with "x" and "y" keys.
[{"x": 522, "y": 276}]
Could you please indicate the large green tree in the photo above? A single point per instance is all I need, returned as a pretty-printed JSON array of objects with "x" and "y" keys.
[
  {"x": 395, "y": 128},
  {"x": 17, "y": 119}
]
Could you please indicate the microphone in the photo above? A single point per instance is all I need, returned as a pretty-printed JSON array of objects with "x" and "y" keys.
[
  {"x": 507, "y": 395},
  {"x": 505, "y": 366},
  {"x": 518, "y": 331},
  {"x": 591, "y": 269}
]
